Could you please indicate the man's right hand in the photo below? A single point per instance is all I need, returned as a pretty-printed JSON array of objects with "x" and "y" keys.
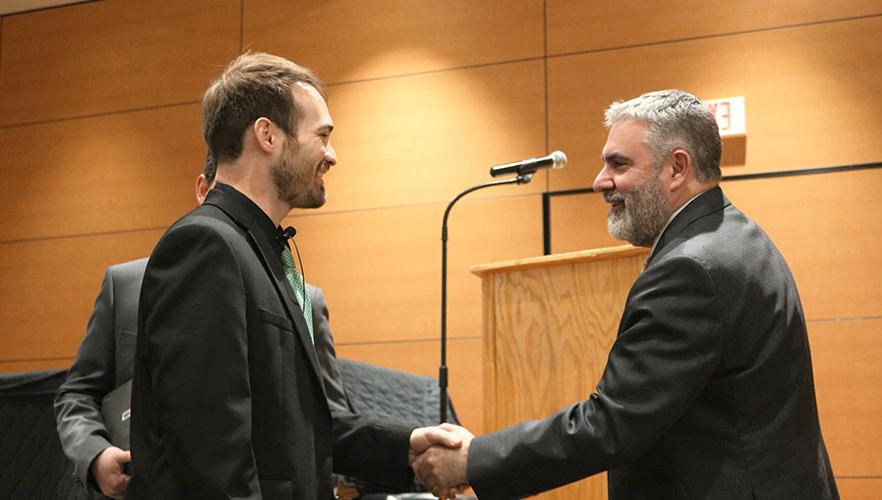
[{"x": 107, "y": 469}]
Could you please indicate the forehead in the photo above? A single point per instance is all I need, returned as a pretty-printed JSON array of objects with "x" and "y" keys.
[
  {"x": 627, "y": 137},
  {"x": 311, "y": 102}
]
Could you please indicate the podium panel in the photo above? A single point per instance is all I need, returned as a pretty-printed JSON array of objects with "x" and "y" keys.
[{"x": 549, "y": 323}]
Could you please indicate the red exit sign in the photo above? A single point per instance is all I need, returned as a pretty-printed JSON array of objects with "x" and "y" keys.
[{"x": 729, "y": 113}]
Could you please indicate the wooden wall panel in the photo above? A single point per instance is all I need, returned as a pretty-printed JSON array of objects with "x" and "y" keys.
[
  {"x": 578, "y": 222},
  {"x": 114, "y": 55},
  {"x": 846, "y": 356},
  {"x": 108, "y": 173},
  {"x": 827, "y": 234},
  {"x": 859, "y": 488},
  {"x": 35, "y": 365},
  {"x": 381, "y": 269},
  {"x": 425, "y": 138},
  {"x": 408, "y": 144},
  {"x": 49, "y": 287},
  {"x": 353, "y": 40},
  {"x": 818, "y": 229},
  {"x": 575, "y": 25},
  {"x": 423, "y": 358},
  {"x": 811, "y": 94}
]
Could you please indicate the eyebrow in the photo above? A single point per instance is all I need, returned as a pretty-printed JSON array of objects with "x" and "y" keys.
[
  {"x": 615, "y": 158},
  {"x": 327, "y": 127}
]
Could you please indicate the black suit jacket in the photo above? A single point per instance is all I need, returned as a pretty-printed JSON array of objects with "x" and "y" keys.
[
  {"x": 227, "y": 397},
  {"x": 104, "y": 362},
  {"x": 707, "y": 392}
]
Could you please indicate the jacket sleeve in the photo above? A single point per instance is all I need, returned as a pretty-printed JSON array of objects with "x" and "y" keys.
[
  {"x": 371, "y": 449},
  {"x": 363, "y": 446},
  {"x": 669, "y": 343},
  {"x": 77, "y": 403},
  {"x": 193, "y": 341},
  {"x": 325, "y": 351}
]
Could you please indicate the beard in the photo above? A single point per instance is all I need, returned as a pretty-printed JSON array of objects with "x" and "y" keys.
[
  {"x": 645, "y": 212},
  {"x": 296, "y": 182}
]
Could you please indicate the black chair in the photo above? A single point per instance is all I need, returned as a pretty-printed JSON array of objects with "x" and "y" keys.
[
  {"x": 33, "y": 466},
  {"x": 396, "y": 395}
]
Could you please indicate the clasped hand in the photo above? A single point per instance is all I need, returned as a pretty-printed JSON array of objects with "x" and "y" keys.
[{"x": 439, "y": 457}]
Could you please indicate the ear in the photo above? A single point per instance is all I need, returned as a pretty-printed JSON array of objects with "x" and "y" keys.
[
  {"x": 202, "y": 187},
  {"x": 265, "y": 134},
  {"x": 681, "y": 167}
]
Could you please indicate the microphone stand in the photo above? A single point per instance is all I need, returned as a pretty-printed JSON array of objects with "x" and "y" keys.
[{"x": 523, "y": 178}]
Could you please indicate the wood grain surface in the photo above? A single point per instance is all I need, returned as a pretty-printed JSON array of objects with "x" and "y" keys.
[{"x": 547, "y": 338}]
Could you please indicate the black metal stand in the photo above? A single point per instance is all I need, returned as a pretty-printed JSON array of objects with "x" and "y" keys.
[{"x": 442, "y": 371}]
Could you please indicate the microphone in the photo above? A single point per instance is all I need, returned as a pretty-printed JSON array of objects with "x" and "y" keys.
[
  {"x": 555, "y": 160},
  {"x": 288, "y": 233}
]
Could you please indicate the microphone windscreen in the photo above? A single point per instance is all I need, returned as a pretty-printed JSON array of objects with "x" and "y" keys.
[{"x": 559, "y": 158}]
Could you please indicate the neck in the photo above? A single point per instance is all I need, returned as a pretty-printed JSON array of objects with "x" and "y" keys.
[
  {"x": 693, "y": 189},
  {"x": 255, "y": 183}
]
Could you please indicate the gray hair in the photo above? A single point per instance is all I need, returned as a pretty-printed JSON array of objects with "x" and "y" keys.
[{"x": 675, "y": 119}]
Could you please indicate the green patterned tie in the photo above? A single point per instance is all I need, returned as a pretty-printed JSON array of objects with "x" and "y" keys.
[{"x": 295, "y": 279}]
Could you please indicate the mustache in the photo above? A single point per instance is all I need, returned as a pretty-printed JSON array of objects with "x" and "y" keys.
[{"x": 613, "y": 197}]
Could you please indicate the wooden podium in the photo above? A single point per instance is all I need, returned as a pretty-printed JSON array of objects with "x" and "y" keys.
[{"x": 549, "y": 323}]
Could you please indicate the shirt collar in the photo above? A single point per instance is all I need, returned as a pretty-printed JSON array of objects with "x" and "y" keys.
[
  {"x": 261, "y": 220},
  {"x": 671, "y": 219}
]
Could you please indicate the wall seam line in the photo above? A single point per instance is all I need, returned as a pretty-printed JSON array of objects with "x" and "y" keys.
[
  {"x": 716, "y": 35},
  {"x": 544, "y": 57},
  {"x": 98, "y": 115}
]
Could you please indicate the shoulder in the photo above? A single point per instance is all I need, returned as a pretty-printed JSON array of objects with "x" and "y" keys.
[
  {"x": 130, "y": 269},
  {"x": 201, "y": 227},
  {"x": 314, "y": 291},
  {"x": 721, "y": 251},
  {"x": 710, "y": 237},
  {"x": 316, "y": 295},
  {"x": 199, "y": 241},
  {"x": 675, "y": 274}
]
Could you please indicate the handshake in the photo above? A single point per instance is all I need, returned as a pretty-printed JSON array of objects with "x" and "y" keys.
[{"x": 439, "y": 457}]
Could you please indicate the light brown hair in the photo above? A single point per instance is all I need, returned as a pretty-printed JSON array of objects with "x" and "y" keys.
[{"x": 254, "y": 85}]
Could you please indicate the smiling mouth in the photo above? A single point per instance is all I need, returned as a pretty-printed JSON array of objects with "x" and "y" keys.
[
  {"x": 612, "y": 197},
  {"x": 616, "y": 202}
]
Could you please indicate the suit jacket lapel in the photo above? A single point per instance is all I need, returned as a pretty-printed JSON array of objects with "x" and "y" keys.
[
  {"x": 283, "y": 288},
  {"x": 273, "y": 266},
  {"x": 705, "y": 204}
]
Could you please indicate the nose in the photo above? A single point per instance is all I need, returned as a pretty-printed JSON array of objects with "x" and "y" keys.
[
  {"x": 603, "y": 181},
  {"x": 330, "y": 155}
]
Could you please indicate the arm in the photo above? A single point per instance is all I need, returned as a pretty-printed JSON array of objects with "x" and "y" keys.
[
  {"x": 373, "y": 450},
  {"x": 668, "y": 346},
  {"x": 194, "y": 343},
  {"x": 77, "y": 403},
  {"x": 381, "y": 452}
]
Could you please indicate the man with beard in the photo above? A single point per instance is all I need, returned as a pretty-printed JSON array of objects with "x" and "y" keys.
[
  {"x": 104, "y": 362},
  {"x": 707, "y": 392},
  {"x": 227, "y": 398}
]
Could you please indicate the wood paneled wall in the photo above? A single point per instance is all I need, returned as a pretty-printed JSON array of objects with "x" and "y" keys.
[{"x": 100, "y": 143}]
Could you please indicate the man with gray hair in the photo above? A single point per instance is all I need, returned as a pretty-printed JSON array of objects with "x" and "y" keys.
[{"x": 707, "y": 392}]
